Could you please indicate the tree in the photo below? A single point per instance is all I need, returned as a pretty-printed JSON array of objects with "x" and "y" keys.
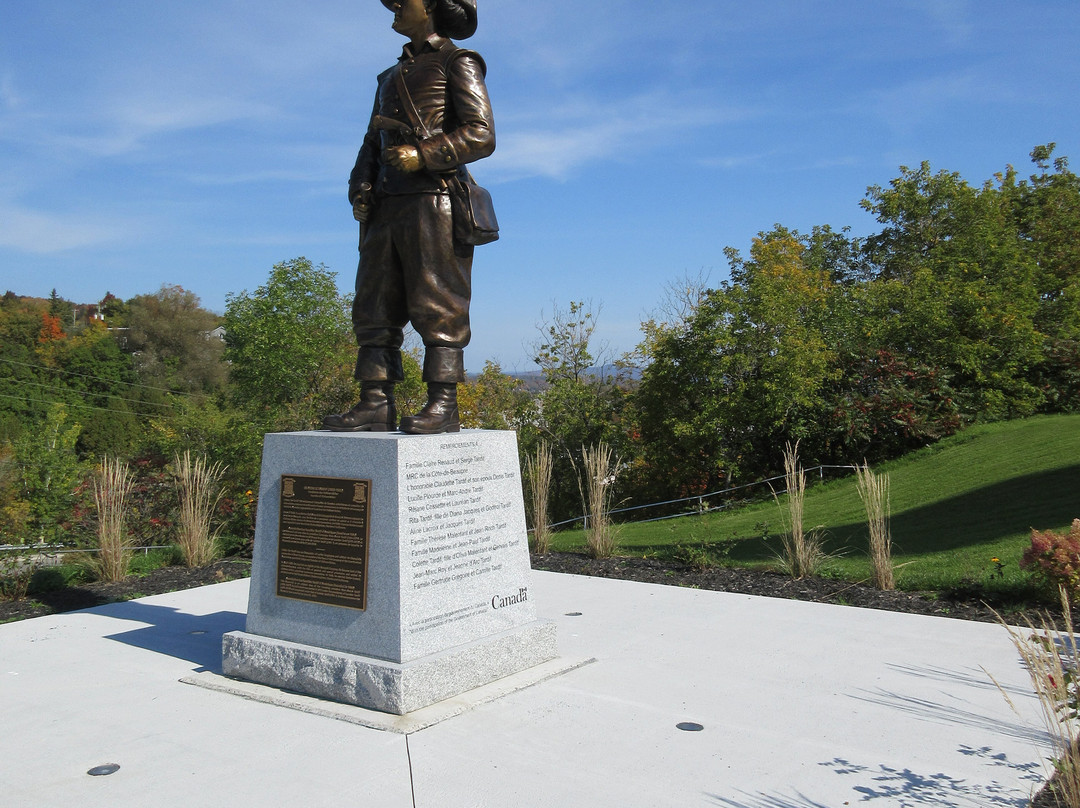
[
  {"x": 289, "y": 345},
  {"x": 20, "y": 326},
  {"x": 58, "y": 307},
  {"x": 842, "y": 257},
  {"x": 581, "y": 404},
  {"x": 51, "y": 329},
  {"x": 964, "y": 307},
  {"x": 494, "y": 400},
  {"x": 100, "y": 380},
  {"x": 115, "y": 311},
  {"x": 170, "y": 336},
  {"x": 749, "y": 370},
  {"x": 962, "y": 287},
  {"x": 1047, "y": 208},
  {"x": 85, "y": 370},
  {"x": 14, "y": 510},
  {"x": 48, "y": 469},
  {"x": 564, "y": 350}
]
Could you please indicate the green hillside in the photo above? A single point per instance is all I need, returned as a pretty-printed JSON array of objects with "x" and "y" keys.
[{"x": 955, "y": 506}]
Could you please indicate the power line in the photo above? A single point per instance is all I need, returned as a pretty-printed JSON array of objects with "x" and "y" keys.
[
  {"x": 106, "y": 395},
  {"x": 81, "y": 405},
  {"x": 90, "y": 376}
]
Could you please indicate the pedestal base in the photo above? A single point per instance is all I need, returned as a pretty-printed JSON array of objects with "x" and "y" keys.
[
  {"x": 386, "y": 686},
  {"x": 447, "y": 606}
]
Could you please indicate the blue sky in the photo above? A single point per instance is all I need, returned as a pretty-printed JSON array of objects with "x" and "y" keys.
[{"x": 200, "y": 142}]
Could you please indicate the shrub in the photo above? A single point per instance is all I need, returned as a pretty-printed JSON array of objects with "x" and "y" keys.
[
  {"x": 153, "y": 513},
  {"x": 1050, "y": 655},
  {"x": 146, "y": 562},
  {"x": 697, "y": 556},
  {"x": 1054, "y": 558},
  {"x": 230, "y": 544},
  {"x": 57, "y": 577},
  {"x": 17, "y": 568}
]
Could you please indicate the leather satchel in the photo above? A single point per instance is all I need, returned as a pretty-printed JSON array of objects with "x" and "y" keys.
[{"x": 474, "y": 214}]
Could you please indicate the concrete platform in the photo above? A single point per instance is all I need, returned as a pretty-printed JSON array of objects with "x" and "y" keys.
[{"x": 801, "y": 706}]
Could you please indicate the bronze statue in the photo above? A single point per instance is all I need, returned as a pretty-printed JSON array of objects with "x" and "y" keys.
[{"x": 431, "y": 117}]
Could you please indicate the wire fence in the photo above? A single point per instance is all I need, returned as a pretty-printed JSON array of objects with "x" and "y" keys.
[
  {"x": 685, "y": 506},
  {"x": 700, "y": 504},
  {"x": 53, "y": 553}
]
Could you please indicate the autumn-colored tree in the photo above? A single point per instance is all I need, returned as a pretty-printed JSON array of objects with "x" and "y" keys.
[{"x": 51, "y": 329}]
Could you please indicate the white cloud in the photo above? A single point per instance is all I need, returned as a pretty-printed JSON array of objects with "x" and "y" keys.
[
  {"x": 158, "y": 114},
  {"x": 951, "y": 17},
  {"x": 560, "y": 141},
  {"x": 907, "y": 106},
  {"x": 122, "y": 127},
  {"x": 37, "y": 232},
  {"x": 9, "y": 97},
  {"x": 736, "y": 161}
]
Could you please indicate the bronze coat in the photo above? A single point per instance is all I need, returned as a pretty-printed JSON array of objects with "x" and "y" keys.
[{"x": 410, "y": 268}]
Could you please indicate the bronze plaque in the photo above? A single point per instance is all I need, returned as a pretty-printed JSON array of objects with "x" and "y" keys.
[{"x": 323, "y": 540}]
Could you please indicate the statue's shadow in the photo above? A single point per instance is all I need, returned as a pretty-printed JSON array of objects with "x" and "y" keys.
[{"x": 196, "y": 638}]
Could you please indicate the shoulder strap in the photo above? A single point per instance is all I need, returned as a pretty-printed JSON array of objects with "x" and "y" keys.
[
  {"x": 446, "y": 58},
  {"x": 407, "y": 104}
]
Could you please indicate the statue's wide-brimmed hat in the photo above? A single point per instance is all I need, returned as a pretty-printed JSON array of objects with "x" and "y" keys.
[{"x": 455, "y": 19}]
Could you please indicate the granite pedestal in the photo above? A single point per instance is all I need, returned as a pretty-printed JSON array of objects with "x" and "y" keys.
[{"x": 448, "y": 604}]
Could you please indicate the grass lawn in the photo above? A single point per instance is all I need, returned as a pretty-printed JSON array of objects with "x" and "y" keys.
[{"x": 955, "y": 506}]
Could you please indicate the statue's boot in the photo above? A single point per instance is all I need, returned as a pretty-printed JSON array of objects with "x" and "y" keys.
[
  {"x": 375, "y": 412},
  {"x": 439, "y": 415}
]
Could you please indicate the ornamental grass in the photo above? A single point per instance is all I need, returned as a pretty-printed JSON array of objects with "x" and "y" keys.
[
  {"x": 599, "y": 462},
  {"x": 803, "y": 553},
  {"x": 199, "y": 489},
  {"x": 112, "y": 485},
  {"x": 874, "y": 493},
  {"x": 1050, "y": 656},
  {"x": 538, "y": 470}
]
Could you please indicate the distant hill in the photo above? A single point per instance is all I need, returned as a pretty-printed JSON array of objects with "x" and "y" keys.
[{"x": 534, "y": 379}]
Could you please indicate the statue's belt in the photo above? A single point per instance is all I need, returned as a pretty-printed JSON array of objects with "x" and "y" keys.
[{"x": 391, "y": 125}]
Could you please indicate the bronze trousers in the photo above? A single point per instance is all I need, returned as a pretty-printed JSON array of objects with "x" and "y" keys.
[{"x": 411, "y": 271}]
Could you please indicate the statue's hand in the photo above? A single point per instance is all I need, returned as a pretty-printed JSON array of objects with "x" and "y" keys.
[
  {"x": 361, "y": 210},
  {"x": 404, "y": 158}
]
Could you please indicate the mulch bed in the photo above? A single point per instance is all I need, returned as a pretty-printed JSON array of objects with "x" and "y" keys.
[
  {"x": 156, "y": 582},
  {"x": 959, "y": 605},
  {"x": 964, "y": 606},
  {"x": 1047, "y": 799}
]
